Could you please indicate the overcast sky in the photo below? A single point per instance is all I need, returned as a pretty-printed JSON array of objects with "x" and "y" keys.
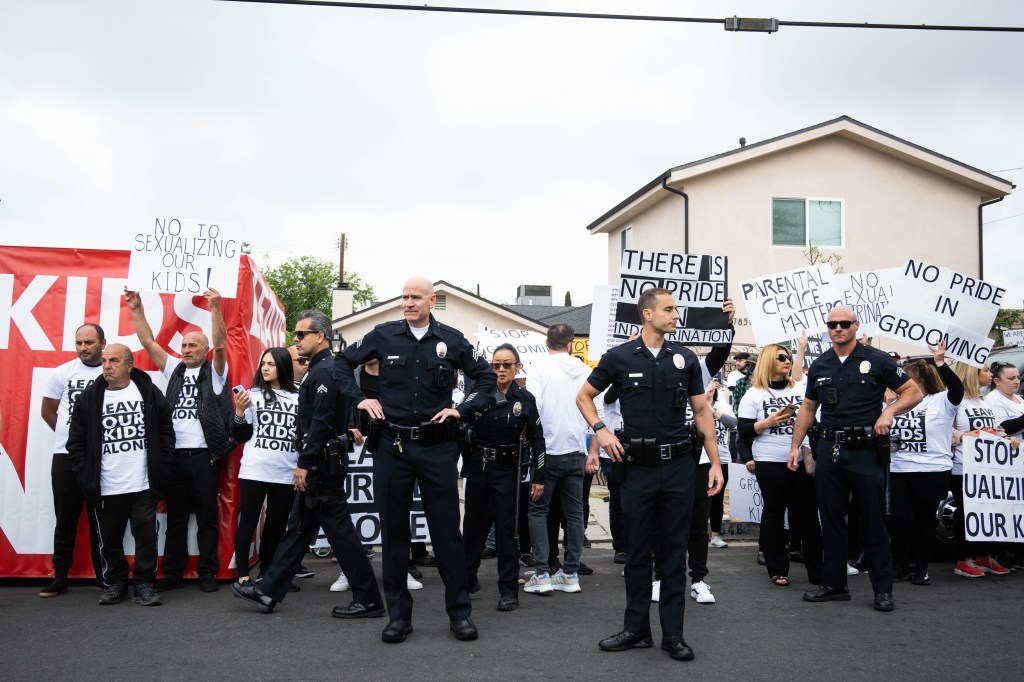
[{"x": 474, "y": 149}]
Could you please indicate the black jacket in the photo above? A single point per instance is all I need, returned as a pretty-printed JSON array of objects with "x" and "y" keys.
[
  {"x": 216, "y": 411},
  {"x": 86, "y": 435}
]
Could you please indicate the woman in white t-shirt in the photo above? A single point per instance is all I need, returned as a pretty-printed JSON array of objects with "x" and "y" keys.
[
  {"x": 922, "y": 461},
  {"x": 974, "y": 559},
  {"x": 1007, "y": 406},
  {"x": 265, "y": 422},
  {"x": 765, "y": 421}
]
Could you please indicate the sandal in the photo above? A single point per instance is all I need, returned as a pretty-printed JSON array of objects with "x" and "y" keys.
[{"x": 780, "y": 580}]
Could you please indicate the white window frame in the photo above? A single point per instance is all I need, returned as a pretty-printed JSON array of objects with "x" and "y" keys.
[
  {"x": 628, "y": 229},
  {"x": 807, "y": 222}
]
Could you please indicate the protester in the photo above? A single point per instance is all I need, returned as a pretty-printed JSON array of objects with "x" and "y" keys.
[
  {"x": 766, "y": 419},
  {"x": 1006, "y": 405},
  {"x": 922, "y": 459},
  {"x": 265, "y": 422}
]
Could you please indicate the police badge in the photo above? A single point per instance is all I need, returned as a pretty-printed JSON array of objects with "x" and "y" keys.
[
  {"x": 865, "y": 367},
  {"x": 442, "y": 349},
  {"x": 517, "y": 409},
  {"x": 678, "y": 361}
]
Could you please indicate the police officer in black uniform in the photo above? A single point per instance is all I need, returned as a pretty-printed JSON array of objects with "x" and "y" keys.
[
  {"x": 848, "y": 381},
  {"x": 657, "y": 463},
  {"x": 321, "y": 441},
  {"x": 493, "y": 468},
  {"x": 413, "y": 440}
]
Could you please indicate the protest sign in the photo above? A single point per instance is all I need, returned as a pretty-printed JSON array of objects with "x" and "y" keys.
[
  {"x": 816, "y": 345},
  {"x": 602, "y": 320},
  {"x": 745, "y": 501},
  {"x": 698, "y": 284},
  {"x": 993, "y": 489},
  {"x": 933, "y": 304},
  {"x": 867, "y": 293},
  {"x": 783, "y": 305},
  {"x": 185, "y": 256},
  {"x": 581, "y": 349},
  {"x": 1013, "y": 337},
  {"x": 530, "y": 344}
]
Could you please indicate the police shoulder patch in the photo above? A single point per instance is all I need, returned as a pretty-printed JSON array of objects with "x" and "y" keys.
[{"x": 321, "y": 389}]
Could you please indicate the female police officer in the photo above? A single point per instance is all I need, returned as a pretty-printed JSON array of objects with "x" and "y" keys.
[{"x": 492, "y": 471}]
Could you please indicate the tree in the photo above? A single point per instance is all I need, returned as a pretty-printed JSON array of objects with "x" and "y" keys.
[
  {"x": 306, "y": 283},
  {"x": 1006, "y": 318},
  {"x": 568, "y": 300},
  {"x": 814, "y": 255}
]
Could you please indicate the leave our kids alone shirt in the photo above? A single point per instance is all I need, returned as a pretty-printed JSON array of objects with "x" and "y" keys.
[
  {"x": 972, "y": 415},
  {"x": 66, "y": 383},
  {"x": 123, "y": 466},
  {"x": 772, "y": 445},
  {"x": 924, "y": 436},
  {"x": 188, "y": 432},
  {"x": 269, "y": 456}
]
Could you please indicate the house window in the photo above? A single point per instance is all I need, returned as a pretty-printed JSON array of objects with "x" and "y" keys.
[
  {"x": 441, "y": 302},
  {"x": 807, "y": 222},
  {"x": 626, "y": 238}
]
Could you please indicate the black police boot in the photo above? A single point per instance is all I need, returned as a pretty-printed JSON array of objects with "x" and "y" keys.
[
  {"x": 626, "y": 640},
  {"x": 464, "y": 629},
  {"x": 396, "y": 631},
  {"x": 677, "y": 648},
  {"x": 357, "y": 610},
  {"x": 250, "y": 592}
]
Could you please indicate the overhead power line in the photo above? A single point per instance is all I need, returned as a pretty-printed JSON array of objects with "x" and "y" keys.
[{"x": 729, "y": 23}]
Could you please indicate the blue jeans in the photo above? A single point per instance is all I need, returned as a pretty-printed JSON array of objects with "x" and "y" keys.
[{"x": 567, "y": 472}]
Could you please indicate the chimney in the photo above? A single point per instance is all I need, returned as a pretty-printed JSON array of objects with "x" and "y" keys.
[{"x": 343, "y": 302}]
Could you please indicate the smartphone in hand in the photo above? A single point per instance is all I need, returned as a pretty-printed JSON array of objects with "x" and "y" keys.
[{"x": 238, "y": 390}]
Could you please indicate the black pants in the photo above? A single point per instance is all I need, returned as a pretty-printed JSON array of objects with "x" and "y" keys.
[
  {"x": 113, "y": 515},
  {"x": 279, "y": 497},
  {"x": 697, "y": 546},
  {"x": 716, "y": 503},
  {"x": 333, "y": 516},
  {"x": 67, "y": 507},
  {"x": 783, "y": 489},
  {"x": 859, "y": 472},
  {"x": 491, "y": 497},
  {"x": 915, "y": 497},
  {"x": 394, "y": 478},
  {"x": 657, "y": 497},
  {"x": 192, "y": 484},
  {"x": 525, "y": 545},
  {"x": 965, "y": 549}
]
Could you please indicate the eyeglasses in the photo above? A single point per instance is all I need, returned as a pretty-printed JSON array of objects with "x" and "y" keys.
[
  {"x": 503, "y": 365},
  {"x": 303, "y": 361},
  {"x": 300, "y": 334},
  {"x": 845, "y": 324},
  {"x": 783, "y": 357}
]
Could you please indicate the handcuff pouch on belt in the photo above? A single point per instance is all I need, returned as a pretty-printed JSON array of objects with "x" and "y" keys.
[
  {"x": 859, "y": 438},
  {"x": 696, "y": 442},
  {"x": 504, "y": 455},
  {"x": 814, "y": 437},
  {"x": 333, "y": 459}
]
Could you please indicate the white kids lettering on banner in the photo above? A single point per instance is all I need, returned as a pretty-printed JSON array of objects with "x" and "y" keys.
[
  {"x": 698, "y": 284},
  {"x": 783, "y": 305},
  {"x": 185, "y": 256},
  {"x": 993, "y": 489},
  {"x": 933, "y": 304}
]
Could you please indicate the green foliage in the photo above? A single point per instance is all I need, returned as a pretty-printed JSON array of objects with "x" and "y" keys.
[
  {"x": 306, "y": 283},
  {"x": 814, "y": 255},
  {"x": 1006, "y": 318}
]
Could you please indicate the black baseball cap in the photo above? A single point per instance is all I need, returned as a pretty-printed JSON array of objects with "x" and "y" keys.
[{"x": 741, "y": 356}]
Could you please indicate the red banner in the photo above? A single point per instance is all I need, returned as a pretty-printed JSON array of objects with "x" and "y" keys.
[{"x": 45, "y": 295}]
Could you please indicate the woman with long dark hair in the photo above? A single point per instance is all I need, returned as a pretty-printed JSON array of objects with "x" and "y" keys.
[
  {"x": 922, "y": 462},
  {"x": 265, "y": 422},
  {"x": 765, "y": 421}
]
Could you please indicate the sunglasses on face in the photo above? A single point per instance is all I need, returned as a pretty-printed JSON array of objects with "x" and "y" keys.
[
  {"x": 844, "y": 324},
  {"x": 303, "y": 361},
  {"x": 300, "y": 334},
  {"x": 783, "y": 357},
  {"x": 503, "y": 365}
]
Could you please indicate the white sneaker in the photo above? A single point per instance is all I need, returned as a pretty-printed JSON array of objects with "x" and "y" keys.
[
  {"x": 850, "y": 570},
  {"x": 539, "y": 583},
  {"x": 656, "y": 591},
  {"x": 701, "y": 591},
  {"x": 718, "y": 542},
  {"x": 413, "y": 584},
  {"x": 565, "y": 582},
  {"x": 341, "y": 584}
]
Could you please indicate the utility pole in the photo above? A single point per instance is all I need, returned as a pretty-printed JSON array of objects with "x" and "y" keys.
[{"x": 341, "y": 262}]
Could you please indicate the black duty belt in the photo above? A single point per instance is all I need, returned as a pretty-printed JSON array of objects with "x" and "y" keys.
[
  {"x": 427, "y": 433},
  {"x": 190, "y": 452},
  {"x": 654, "y": 451},
  {"x": 852, "y": 436},
  {"x": 497, "y": 454}
]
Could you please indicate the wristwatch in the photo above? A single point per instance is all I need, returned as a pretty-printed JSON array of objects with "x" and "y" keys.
[{"x": 598, "y": 426}]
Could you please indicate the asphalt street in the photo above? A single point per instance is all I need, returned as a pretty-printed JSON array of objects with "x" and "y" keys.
[{"x": 756, "y": 631}]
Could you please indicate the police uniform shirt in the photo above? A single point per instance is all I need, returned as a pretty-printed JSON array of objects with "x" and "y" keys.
[
  {"x": 323, "y": 411},
  {"x": 503, "y": 424},
  {"x": 971, "y": 415},
  {"x": 269, "y": 456},
  {"x": 65, "y": 385},
  {"x": 188, "y": 431},
  {"x": 417, "y": 375},
  {"x": 851, "y": 393},
  {"x": 650, "y": 387},
  {"x": 123, "y": 464}
]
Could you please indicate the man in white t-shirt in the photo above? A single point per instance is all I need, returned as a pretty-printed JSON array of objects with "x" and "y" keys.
[
  {"x": 202, "y": 412},
  {"x": 119, "y": 443},
  {"x": 66, "y": 383}
]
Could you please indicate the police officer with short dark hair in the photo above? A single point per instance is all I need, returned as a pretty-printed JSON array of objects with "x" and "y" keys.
[
  {"x": 321, "y": 441},
  {"x": 413, "y": 440},
  {"x": 655, "y": 378},
  {"x": 848, "y": 381}
]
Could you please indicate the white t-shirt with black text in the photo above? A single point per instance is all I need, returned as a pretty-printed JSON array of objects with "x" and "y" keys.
[
  {"x": 188, "y": 432},
  {"x": 124, "y": 466},
  {"x": 269, "y": 456},
  {"x": 1004, "y": 408},
  {"x": 66, "y": 383},
  {"x": 925, "y": 436},
  {"x": 972, "y": 414},
  {"x": 773, "y": 444}
]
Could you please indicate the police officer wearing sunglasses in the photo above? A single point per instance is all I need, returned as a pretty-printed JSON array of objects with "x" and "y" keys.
[{"x": 848, "y": 381}]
